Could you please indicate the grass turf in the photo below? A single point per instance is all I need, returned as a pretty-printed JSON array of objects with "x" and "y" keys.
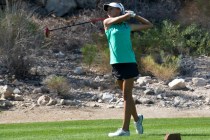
[{"x": 154, "y": 129}]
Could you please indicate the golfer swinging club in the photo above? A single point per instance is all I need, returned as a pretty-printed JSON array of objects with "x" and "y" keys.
[{"x": 122, "y": 59}]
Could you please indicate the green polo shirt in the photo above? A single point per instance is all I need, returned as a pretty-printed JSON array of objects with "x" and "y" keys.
[{"x": 120, "y": 45}]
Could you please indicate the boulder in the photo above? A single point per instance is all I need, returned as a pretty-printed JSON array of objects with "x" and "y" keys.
[
  {"x": 43, "y": 100},
  {"x": 6, "y": 92},
  {"x": 199, "y": 81},
  {"x": 86, "y": 3},
  {"x": 61, "y": 7},
  {"x": 18, "y": 97},
  {"x": 5, "y": 103},
  {"x": 177, "y": 84}
]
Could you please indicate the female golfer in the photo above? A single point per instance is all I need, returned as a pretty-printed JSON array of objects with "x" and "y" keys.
[{"x": 122, "y": 59}]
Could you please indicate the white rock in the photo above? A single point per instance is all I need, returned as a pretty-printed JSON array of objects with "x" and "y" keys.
[
  {"x": 43, "y": 100},
  {"x": 207, "y": 100},
  {"x": 144, "y": 80},
  {"x": 199, "y": 81},
  {"x": 16, "y": 91},
  {"x": 207, "y": 86},
  {"x": 159, "y": 96},
  {"x": 51, "y": 102},
  {"x": 177, "y": 84},
  {"x": 107, "y": 97},
  {"x": 18, "y": 97},
  {"x": 146, "y": 101},
  {"x": 6, "y": 92}
]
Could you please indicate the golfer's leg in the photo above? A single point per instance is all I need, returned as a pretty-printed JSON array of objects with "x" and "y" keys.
[
  {"x": 120, "y": 84},
  {"x": 129, "y": 105}
]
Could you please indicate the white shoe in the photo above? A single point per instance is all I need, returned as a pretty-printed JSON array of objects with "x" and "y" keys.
[
  {"x": 138, "y": 125},
  {"x": 119, "y": 132}
]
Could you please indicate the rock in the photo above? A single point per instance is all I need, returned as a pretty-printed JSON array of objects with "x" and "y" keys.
[
  {"x": 86, "y": 3},
  {"x": 16, "y": 82},
  {"x": 159, "y": 96},
  {"x": 144, "y": 80},
  {"x": 120, "y": 104},
  {"x": 16, "y": 91},
  {"x": 60, "y": 55},
  {"x": 207, "y": 100},
  {"x": 5, "y": 104},
  {"x": 94, "y": 98},
  {"x": 178, "y": 101},
  {"x": 43, "y": 100},
  {"x": 61, "y": 7},
  {"x": 146, "y": 101},
  {"x": 149, "y": 92},
  {"x": 199, "y": 81},
  {"x": 207, "y": 86},
  {"x": 6, "y": 92},
  {"x": 110, "y": 106},
  {"x": 78, "y": 71},
  {"x": 37, "y": 90},
  {"x": 107, "y": 97},
  {"x": 71, "y": 102},
  {"x": 100, "y": 101},
  {"x": 177, "y": 84},
  {"x": 18, "y": 97},
  {"x": 52, "y": 102}
]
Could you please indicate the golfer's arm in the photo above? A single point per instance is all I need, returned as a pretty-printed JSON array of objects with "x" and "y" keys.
[
  {"x": 114, "y": 20},
  {"x": 145, "y": 24}
]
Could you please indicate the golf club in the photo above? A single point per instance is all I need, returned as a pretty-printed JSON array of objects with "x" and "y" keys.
[{"x": 47, "y": 30}]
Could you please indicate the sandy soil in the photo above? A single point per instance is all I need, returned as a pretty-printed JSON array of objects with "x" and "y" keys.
[{"x": 46, "y": 114}]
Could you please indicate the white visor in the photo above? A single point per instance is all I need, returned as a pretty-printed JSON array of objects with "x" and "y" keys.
[{"x": 116, "y": 5}]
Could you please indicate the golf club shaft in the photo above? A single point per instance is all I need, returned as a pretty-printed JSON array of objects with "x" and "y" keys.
[{"x": 93, "y": 20}]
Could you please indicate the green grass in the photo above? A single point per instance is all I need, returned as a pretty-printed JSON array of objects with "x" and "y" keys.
[{"x": 155, "y": 129}]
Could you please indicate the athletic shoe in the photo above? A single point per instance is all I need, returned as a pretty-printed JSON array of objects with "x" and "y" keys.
[
  {"x": 138, "y": 125},
  {"x": 119, "y": 132}
]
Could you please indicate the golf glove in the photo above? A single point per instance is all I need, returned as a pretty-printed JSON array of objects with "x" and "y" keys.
[{"x": 132, "y": 13}]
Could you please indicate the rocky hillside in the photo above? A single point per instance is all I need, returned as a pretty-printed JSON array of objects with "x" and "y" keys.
[{"x": 191, "y": 89}]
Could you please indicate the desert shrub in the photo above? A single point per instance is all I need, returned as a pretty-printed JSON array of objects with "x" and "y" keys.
[
  {"x": 89, "y": 54},
  {"x": 19, "y": 37},
  {"x": 58, "y": 84},
  {"x": 175, "y": 39},
  {"x": 97, "y": 53},
  {"x": 164, "y": 71}
]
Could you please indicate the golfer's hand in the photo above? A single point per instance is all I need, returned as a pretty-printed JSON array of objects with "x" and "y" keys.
[{"x": 132, "y": 13}]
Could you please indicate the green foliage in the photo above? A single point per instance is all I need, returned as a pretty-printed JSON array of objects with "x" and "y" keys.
[
  {"x": 59, "y": 84},
  {"x": 97, "y": 53},
  {"x": 89, "y": 54},
  {"x": 175, "y": 40}
]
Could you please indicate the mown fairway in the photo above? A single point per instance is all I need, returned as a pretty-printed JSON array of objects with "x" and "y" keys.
[{"x": 155, "y": 129}]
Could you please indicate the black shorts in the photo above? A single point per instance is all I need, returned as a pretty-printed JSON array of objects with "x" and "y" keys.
[{"x": 123, "y": 71}]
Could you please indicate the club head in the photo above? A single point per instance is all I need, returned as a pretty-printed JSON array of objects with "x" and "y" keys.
[{"x": 47, "y": 32}]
